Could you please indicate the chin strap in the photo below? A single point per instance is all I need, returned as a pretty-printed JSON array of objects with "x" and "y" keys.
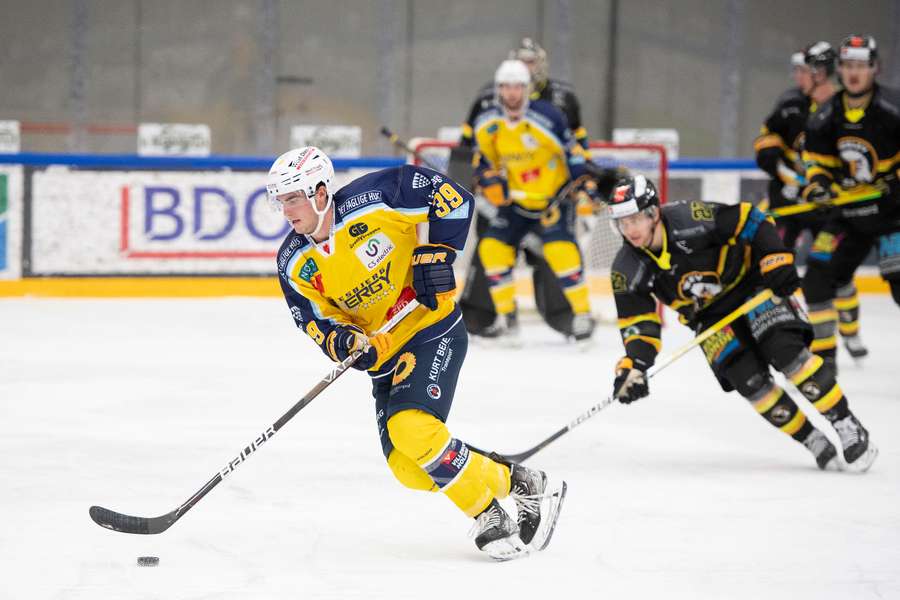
[{"x": 320, "y": 214}]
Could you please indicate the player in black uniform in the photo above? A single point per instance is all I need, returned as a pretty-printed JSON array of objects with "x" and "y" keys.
[
  {"x": 705, "y": 260},
  {"x": 778, "y": 153},
  {"x": 852, "y": 143}
]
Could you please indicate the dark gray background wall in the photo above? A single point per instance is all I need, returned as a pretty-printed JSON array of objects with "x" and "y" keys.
[{"x": 252, "y": 68}]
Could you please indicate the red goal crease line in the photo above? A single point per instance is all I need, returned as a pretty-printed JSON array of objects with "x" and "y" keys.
[{"x": 127, "y": 252}]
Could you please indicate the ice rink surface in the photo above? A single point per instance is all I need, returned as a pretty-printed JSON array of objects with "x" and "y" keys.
[{"x": 134, "y": 404}]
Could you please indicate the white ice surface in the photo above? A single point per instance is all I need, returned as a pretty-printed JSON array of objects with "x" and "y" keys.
[{"x": 134, "y": 404}]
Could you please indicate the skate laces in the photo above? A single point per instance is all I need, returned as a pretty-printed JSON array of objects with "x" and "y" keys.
[
  {"x": 848, "y": 430},
  {"x": 816, "y": 442},
  {"x": 492, "y": 517}
]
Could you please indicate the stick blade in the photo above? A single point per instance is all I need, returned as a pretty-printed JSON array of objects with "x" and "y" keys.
[{"x": 115, "y": 521}]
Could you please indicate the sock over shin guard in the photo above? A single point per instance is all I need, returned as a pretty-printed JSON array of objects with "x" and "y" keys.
[
  {"x": 469, "y": 479},
  {"x": 777, "y": 407},
  {"x": 816, "y": 381}
]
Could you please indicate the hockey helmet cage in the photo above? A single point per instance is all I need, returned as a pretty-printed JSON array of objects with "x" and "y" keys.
[
  {"x": 531, "y": 53},
  {"x": 859, "y": 47}
]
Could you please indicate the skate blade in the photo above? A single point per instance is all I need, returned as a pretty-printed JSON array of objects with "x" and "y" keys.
[
  {"x": 551, "y": 506},
  {"x": 506, "y": 549},
  {"x": 864, "y": 462}
]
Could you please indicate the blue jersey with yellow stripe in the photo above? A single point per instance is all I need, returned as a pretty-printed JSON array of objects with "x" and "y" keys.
[
  {"x": 537, "y": 152},
  {"x": 362, "y": 273}
]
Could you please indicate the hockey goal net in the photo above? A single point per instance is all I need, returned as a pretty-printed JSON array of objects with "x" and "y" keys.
[{"x": 598, "y": 242}]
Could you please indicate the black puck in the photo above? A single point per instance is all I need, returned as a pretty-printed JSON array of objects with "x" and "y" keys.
[{"x": 148, "y": 561}]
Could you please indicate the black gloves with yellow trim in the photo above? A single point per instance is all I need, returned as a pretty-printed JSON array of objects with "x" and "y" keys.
[
  {"x": 344, "y": 340},
  {"x": 631, "y": 380},
  {"x": 494, "y": 187},
  {"x": 433, "y": 276},
  {"x": 779, "y": 274}
]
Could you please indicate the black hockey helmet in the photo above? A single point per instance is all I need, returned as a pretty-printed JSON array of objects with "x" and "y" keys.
[
  {"x": 859, "y": 47},
  {"x": 820, "y": 55},
  {"x": 631, "y": 195}
]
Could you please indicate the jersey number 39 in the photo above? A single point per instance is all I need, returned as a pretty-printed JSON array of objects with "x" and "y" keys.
[{"x": 446, "y": 198}]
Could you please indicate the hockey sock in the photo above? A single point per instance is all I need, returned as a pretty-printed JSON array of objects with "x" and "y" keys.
[
  {"x": 776, "y": 407},
  {"x": 498, "y": 260},
  {"x": 565, "y": 260},
  {"x": 823, "y": 317},
  {"x": 469, "y": 479},
  {"x": 816, "y": 381},
  {"x": 847, "y": 305}
]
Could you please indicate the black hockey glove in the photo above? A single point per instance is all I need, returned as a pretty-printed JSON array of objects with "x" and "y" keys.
[
  {"x": 779, "y": 273},
  {"x": 630, "y": 383},
  {"x": 433, "y": 273},
  {"x": 344, "y": 340}
]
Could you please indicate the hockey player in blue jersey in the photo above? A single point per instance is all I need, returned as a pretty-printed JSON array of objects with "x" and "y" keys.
[{"x": 355, "y": 257}]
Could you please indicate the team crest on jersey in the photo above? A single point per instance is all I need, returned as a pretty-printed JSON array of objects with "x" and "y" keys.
[
  {"x": 420, "y": 181},
  {"x": 405, "y": 365},
  {"x": 528, "y": 141},
  {"x": 375, "y": 251},
  {"x": 860, "y": 158},
  {"x": 702, "y": 285},
  {"x": 309, "y": 273}
]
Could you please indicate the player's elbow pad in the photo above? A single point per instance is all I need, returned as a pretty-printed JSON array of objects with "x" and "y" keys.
[{"x": 768, "y": 158}]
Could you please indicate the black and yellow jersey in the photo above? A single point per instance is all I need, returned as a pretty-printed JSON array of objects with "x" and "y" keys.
[
  {"x": 709, "y": 262},
  {"x": 780, "y": 142},
  {"x": 857, "y": 148}
]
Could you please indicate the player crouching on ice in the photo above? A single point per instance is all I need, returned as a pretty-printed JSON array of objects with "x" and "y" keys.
[
  {"x": 705, "y": 260},
  {"x": 355, "y": 258}
]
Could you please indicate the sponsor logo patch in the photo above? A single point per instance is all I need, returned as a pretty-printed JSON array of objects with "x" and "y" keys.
[
  {"x": 357, "y": 229},
  {"x": 376, "y": 287},
  {"x": 405, "y": 365},
  {"x": 434, "y": 391},
  {"x": 375, "y": 250}
]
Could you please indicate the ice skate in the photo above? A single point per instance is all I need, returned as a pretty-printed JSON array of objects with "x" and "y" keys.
[
  {"x": 855, "y": 347},
  {"x": 497, "y": 534},
  {"x": 504, "y": 330},
  {"x": 582, "y": 329},
  {"x": 538, "y": 507},
  {"x": 822, "y": 449},
  {"x": 859, "y": 452}
]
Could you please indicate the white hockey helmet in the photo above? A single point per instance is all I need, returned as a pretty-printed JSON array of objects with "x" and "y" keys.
[
  {"x": 302, "y": 170},
  {"x": 512, "y": 71}
]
